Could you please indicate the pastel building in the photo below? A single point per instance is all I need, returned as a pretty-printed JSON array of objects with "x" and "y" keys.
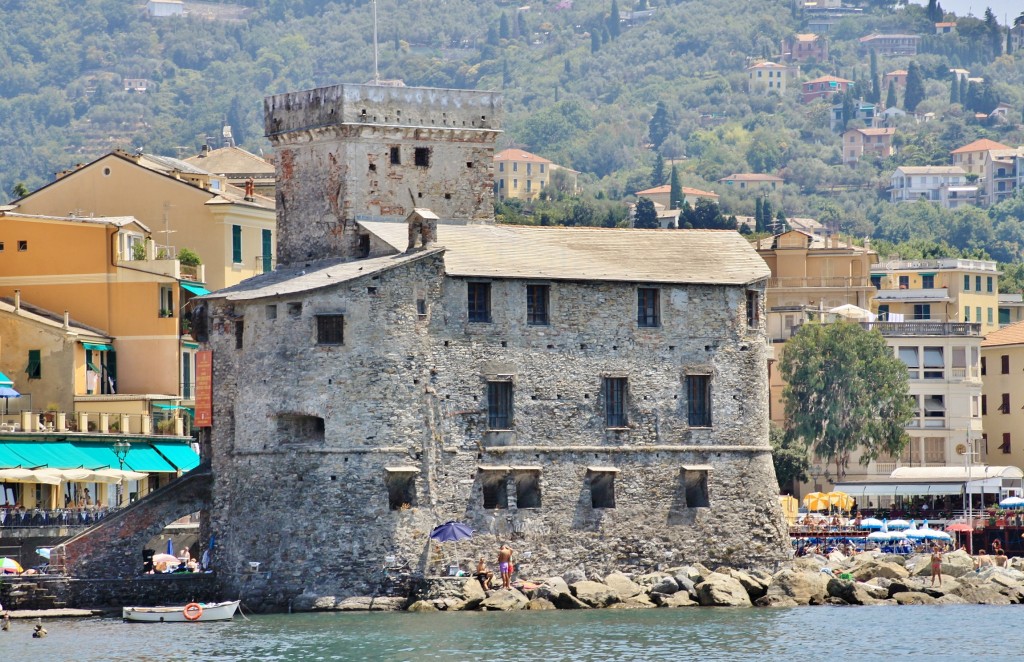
[{"x": 768, "y": 77}]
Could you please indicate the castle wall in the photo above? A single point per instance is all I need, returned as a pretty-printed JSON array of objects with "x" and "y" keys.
[
  {"x": 362, "y": 151},
  {"x": 406, "y": 396}
]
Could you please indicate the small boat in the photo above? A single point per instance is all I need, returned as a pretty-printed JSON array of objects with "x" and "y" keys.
[{"x": 193, "y": 612}]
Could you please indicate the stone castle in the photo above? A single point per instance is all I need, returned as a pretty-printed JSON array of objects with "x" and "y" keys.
[{"x": 597, "y": 398}]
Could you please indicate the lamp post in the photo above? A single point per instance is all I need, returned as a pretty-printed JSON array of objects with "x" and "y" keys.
[
  {"x": 969, "y": 454},
  {"x": 121, "y": 448}
]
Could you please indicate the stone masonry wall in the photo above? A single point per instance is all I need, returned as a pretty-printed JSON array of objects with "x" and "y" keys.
[
  {"x": 334, "y": 160},
  {"x": 408, "y": 393}
]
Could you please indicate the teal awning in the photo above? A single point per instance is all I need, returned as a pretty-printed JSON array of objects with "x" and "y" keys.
[
  {"x": 928, "y": 273},
  {"x": 178, "y": 453},
  {"x": 98, "y": 347},
  {"x": 55, "y": 455},
  {"x": 9, "y": 459},
  {"x": 141, "y": 457},
  {"x": 191, "y": 345},
  {"x": 198, "y": 290},
  {"x": 5, "y": 380}
]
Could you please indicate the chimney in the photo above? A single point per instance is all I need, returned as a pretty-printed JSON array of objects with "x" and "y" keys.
[
  {"x": 67, "y": 320},
  {"x": 17, "y": 301},
  {"x": 422, "y": 227}
]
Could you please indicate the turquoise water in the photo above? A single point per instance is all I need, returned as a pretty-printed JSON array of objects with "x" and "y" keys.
[{"x": 952, "y": 632}]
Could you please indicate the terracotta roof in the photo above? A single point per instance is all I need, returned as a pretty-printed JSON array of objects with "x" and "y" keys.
[
  {"x": 931, "y": 170},
  {"x": 897, "y": 72},
  {"x": 54, "y": 320},
  {"x": 519, "y": 155},
  {"x": 751, "y": 177},
  {"x": 1008, "y": 335},
  {"x": 828, "y": 79},
  {"x": 767, "y": 65},
  {"x": 876, "y": 132},
  {"x": 232, "y": 161},
  {"x": 982, "y": 145},
  {"x": 695, "y": 192},
  {"x": 593, "y": 254},
  {"x": 806, "y": 36}
]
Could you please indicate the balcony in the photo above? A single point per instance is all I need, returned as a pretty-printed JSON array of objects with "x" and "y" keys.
[
  {"x": 923, "y": 328},
  {"x": 819, "y": 281},
  {"x": 91, "y": 424}
]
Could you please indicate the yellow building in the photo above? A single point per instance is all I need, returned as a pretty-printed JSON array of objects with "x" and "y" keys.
[
  {"x": 185, "y": 207},
  {"x": 1002, "y": 356},
  {"x": 810, "y": 275},
  {"x": 768, "y": 77},
  {"x": 943, "y": 290},
  {"x": 974, "y": 157},
  {"x": 520, "y": 174},
  {"x": 107, "y": 273}
]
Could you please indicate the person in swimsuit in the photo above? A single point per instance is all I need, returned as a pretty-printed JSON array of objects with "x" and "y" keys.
[
  {"x": 505, "y": 566},
  {"x": 483, "y": 575},
  {"x": 936, "y": 565}
]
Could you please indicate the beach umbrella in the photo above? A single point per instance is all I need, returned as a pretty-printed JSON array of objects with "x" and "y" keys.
[
  {"x": 451, "y": 532},
  {"x": 959, "y": 527},
  {"x": 790, "y": 508},
  {"x": 899, "y": 524},
  {"x": 871, "y": 523},
  {"x": 817, "y": 501},
  {"x": 1012, "y": 502},
  {"x": 879, "y": 536},
  {"x": 840, "y": 500},
  {"x": 7, "y": 390},
  {"x": 8, "y": 565},
  {"x": 43, "y": 552}
]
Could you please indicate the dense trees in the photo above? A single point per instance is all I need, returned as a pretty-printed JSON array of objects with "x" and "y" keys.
[
  {"x": 915, "y": 92},
  {"x": 644, "y": 214}
]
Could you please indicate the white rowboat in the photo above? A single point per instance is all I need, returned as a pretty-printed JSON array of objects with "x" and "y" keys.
[{"x": 193, "y": 612}]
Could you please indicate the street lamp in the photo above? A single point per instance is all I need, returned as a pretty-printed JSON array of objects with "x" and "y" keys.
[
  {"x": 967, "y": 450},
  {"x": 121, "y": 448}
]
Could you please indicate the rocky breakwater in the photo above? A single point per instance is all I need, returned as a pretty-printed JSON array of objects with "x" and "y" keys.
[{"x": 864, "y": 579}]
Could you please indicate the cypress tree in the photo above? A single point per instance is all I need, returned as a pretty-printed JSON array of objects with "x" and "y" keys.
[
  {"x": 758, "y": 216},
  {"x": 767, "y": 215},
  {"x": 614, "y": 27},
  {"x": 675, "y": 192},
  {"x": 658, "y": 127},
  {"x": 658, "y": 172},
  {"x": 503, "y": 29},
  {"x": 954, "y": 89},
  {"x": 914, "y": 94},
  {"x": 890, "y": 97},
  {"x": 595, "y": 42},
  {"x": 963, "y": 89}
]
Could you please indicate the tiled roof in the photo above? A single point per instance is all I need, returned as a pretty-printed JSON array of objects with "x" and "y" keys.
[
  {"x": 876, "y": 132},
  {"x": 931, "y": 170},
  {"x": 666, "y": 188},
  {"x": 116, "y": 221},
  {"x": 167, "y": 164},
  {"x": 519, "y": 155},
  {"x": 593, "y": 254},
  {"x": 897, "y": 72},
  {"x": 982, "y": 145},
  {"x": 807, "y": 36},
  {"x": 767, "y": 65},
  {"x": 314, "y": 276},
  {"x": 1008, "y": 335},
  {"x": 828, "y": 79},
  {"x": 230, "y": 161},
  {"x": 54, "y": 320}
]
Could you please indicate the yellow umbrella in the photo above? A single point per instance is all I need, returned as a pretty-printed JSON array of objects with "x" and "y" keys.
[
  {"x": 10, "y": 565},
  {"x": 790, "y": 506},
  {"x": 817, "y": 501},
  {"x": 840, "y": 500}
]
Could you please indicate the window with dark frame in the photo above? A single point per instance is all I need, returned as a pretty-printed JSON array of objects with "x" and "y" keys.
[
  {"x": 34, "y": 370},
  {"x": 479, "y": 303},
  {"x": 401, "y": 490},
  {"x": 698, "y": 400},
  {"x": 615, "y": 402},
  {"x": 648, "y": 309},
  {"x": 928, "y": 282},
  {"x": 239, "y": 333},
  {"x": 499, "y": 405},
  {"x": 753, "y": 309},
  {"x": 983, "y": 366},
  {"x": 422, "y": 157},
  {"x": 330, "y": 329},
  {"x": 695, "y": 486},
  {"x": 396, "y": 156},
  {"x": 495, "y": 489},
  {"x": 1004, "y": 406},
  {"x": 537, "y": 297},
  {"x": 1005, "y": 364},
  {"x": 984, "y": 404},
  {"x": 527, "y": 489},
  {"x": 1005, "y": 446},
  {"x": 602, "y": 489},
  {"x": 22, "y": 245}
]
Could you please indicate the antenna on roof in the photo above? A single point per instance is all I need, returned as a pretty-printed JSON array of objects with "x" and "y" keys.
[{"x": 376, "y": 73}]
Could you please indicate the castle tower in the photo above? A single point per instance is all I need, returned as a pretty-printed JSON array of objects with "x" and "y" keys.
[{"x": 365, "y": 152}]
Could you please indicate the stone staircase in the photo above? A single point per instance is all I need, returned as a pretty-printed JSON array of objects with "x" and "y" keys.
[{"x": 28, "y": 593}]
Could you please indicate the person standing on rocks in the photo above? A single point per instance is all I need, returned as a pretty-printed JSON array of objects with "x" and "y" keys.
[
  {"x": 505, "y": 566},
  {"x": 936, "y": 565}
]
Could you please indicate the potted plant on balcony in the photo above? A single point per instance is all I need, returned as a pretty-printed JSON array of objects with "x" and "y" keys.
[{"x": 50, "y": 415}]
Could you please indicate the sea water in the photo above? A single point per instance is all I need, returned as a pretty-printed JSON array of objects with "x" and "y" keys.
[{"x": 946, "y": 632}]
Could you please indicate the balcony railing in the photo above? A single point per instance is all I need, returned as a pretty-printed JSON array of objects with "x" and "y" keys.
[
  {"x": 924, "y": 328},
  {"x": 819, "y": 281},
  {"x": 92, "y": 423}
]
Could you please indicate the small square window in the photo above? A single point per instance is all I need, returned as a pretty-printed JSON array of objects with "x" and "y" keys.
[
  {"x": 422, "y": 156},
  {"x": 396, "y": 156},
  {"x": 295, "y": 309},
  {"x": 22, "y": 245},
  {"x": 1, "y": 247},
  {"x": 602, "y": 489},
  {"x": 239, "y": 333},
  {"x": 401, "y": 490},
  {"x": 648, "y": 308},
  {"x": 527, "y": 489},
  {"x": 271, "y": 312},
  {"x": 495, "y": 489},
  {"x": 695, "y": 486},
  {"x": 330, "y": 329}
]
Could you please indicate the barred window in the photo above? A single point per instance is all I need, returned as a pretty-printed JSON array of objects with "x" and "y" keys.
[
  {"x": 698, "y": 396},
  {"x": 499, "y": 405},
  {"x": 330, "y": 329},
  {"x": 615, "y": 402}
]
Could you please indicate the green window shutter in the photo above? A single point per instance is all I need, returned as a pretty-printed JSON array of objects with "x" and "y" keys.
[
  {"x": 236, "y": 243},
  {"x": 267, "y": 252},
  {"x": 35, "y": 368}
]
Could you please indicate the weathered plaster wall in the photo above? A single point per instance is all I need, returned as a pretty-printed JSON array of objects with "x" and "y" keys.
[{"x": 410, "y": 392}]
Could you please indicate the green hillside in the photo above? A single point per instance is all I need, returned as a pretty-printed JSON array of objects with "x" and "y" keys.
[{"x": 580, "y": 89}]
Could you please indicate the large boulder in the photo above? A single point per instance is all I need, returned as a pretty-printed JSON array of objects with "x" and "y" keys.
[
  {"x": 574, "y": 575},
  {"x": 854, "y": 593},
  {"x": 954, "y": 564},
  {"x": 980, "y": 595},
  {"x": 680, "y": 599},
  {"x": 755, "y": 587},
  {"x": 540, "y": 604},
  {"x": 624, "y": 586},
  {"x": 594, "y": 594},
  {"x": 667, "y": 585},
  {"x": 312, "y": 602},
  {"x": 366, "y": 603},
  {"x": 721, "y": 590},
  {"x": 873, "y": 569},
  {"x": 914, "y": 598},
  {"x": 557, "y": 591},
  {"x": 795, "y": 586},
  {"x": 422, "y": 606},
  {"x": 504, "y": 601}
]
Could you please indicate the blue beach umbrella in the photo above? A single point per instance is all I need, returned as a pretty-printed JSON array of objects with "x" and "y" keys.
[
  {"x": 899, "y": 524},
  {"x": 871, "y": 523},
  {"x": 1012, "y": 502},
  {"x": 451, "y": 532}
]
